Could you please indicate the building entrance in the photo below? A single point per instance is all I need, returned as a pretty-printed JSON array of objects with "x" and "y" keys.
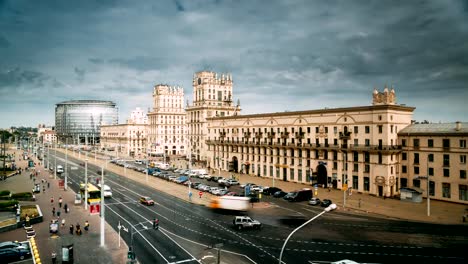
[{"x": 322, "y": 175}]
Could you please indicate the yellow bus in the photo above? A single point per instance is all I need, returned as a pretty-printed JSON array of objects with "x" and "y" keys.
[{"x": 94, "y": 194}]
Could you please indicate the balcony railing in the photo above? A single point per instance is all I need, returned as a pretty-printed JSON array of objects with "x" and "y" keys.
[
  {"x": 345, "y": 135},
  {"x": 284, "y": 134}
]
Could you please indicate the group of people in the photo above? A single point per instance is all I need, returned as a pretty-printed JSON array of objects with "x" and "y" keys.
[{"x": 78, "y": 228}]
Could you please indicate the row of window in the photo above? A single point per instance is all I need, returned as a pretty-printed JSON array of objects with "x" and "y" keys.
[
  {"x": 430, "y": 158},
  {"x": 430, "y": 171},
  {"x": 430, "y": 143},
  {"x": 318, "y": 129},
  {"x": 445, "y": 190}
]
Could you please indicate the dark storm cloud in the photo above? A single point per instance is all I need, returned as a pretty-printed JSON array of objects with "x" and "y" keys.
[
  {"x": 291, "y": 55},
  {"x": 4, "y": 43},
  {"x": 80, "y": 74}
]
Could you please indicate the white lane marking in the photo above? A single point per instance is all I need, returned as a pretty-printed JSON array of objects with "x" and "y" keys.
[
  {"x": 222, "y": 250},
  {"x": 159, "y": 228},
  {"x": 139, "y": 234},
  {"x": 185, "y": 260}
]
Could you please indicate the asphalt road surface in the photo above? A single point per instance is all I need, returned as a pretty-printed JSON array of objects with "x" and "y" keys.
[{"x": 186, "y": 229}]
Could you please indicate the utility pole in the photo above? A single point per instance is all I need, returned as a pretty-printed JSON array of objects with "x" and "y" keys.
[
  {"x": 66, "y": 163},
  {"x": 86, "y": 184},
  {"x": 55, "y": 160},
  {"x": 102, "y": 207}
]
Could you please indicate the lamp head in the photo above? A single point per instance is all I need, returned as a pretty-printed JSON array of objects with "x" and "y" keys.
[{"x": 331, "y": 207}]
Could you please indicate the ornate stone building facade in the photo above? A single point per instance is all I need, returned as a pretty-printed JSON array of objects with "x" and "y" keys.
[
  {"x": 125, "y": 140},
  {"x": 212, "y": 97},
  {"x": 355, "y": 147},
  {"x": 438, "y": 150},
  {"x": 167, "y": 130}
]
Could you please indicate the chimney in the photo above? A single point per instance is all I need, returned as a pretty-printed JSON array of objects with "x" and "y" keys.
[{"x": 458, "y": 127}]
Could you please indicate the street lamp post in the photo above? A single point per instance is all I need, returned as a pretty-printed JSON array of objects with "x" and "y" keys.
[
  {"x": 102, "y": 207},
  {"x": 55, "y": 161},
  {"x": 331, "y": 207},
  {"x": 86, "y": 184},
  {"x": 66, "y": 163}
]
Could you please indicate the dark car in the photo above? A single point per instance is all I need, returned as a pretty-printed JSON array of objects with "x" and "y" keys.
[
  {"x": 326, "y": 202},
  {"x": 271, "y": 190},
  {"x": 146, "y": 200},
  {"x": 8, "y": 255},
  {"x": 13, "y": 245},
  {"x": 279, "y": 194}
]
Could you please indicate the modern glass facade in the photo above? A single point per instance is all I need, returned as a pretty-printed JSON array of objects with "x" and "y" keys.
[{"x": 80, "y": 120}]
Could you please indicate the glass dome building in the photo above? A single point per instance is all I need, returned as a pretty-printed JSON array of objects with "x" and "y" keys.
[{"x": 79, "y": 121}]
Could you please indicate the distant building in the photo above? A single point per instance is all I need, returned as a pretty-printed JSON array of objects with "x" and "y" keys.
[
  {"x": 353, "y": 147},
  {"x": 437, "y": 150},
  {"x": 125, "y": 140},
  {"x": 138, "y": 116},
  {"x": 212, "y": 97},
  {"x": 166, "y": 129},
  {"x": 79, "y": 121},
  {"x": 46, "y": 134}
]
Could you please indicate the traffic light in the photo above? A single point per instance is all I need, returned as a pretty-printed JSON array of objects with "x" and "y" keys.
[{"x": 131, "y": 255}]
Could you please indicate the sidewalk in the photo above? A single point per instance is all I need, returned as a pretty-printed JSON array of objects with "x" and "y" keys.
[
  {"x": 364, "y": 204},
  {"x": 86, "y": 248}
]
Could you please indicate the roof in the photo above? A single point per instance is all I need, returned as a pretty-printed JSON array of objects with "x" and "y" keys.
[
  {"x": 322, "y": 111},
  {"x": 435, "y": 129},
  {"x": 86, "y": 102},
  {"x": 412, "y": 189}
]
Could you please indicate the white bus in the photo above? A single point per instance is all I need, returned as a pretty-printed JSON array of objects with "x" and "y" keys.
[{"x": 59, "y": 169}]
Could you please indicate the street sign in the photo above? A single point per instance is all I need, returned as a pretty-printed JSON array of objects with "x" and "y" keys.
[
  {"x": 94, "y": 208},
  {"x": 345, "y": 187}
]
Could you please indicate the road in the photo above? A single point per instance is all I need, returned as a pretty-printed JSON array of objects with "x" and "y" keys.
[{"x": 187, "y": 229}]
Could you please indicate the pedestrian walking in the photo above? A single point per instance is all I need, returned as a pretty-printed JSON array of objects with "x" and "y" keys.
[
  {"x": 54, "y": 257},
  {"x": 43, "y": 189},
  {"x": 78, "y": 229},
  {"x": 200, "y": 193},
  {"x": 58, "y": 213},
  {"x": 63, "y": 222},
  {"x": 27, "y": 220},
  {"x": 71, "y": 229},
  {"x": 51, "y": 199},
  {"x": 48, "y": 185},
  {"x": 60, "y": 202},
  {"x": 65, "y": 207},
  {"x": 86, "y": 226},
  {"x": 53, "y": 211}
]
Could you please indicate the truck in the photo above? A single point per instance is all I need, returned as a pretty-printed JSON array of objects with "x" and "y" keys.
[
  {"x": 231, "y": 203},
  {"x": 299, "y": 195}
]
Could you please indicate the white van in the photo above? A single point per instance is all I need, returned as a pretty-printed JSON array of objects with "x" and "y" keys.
[
  {"x": 107, "y": 191},
  {"x": 59, "y": 169}
]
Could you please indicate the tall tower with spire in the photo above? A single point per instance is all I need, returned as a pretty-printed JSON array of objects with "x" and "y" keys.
[{"x": 212, "y": 97}]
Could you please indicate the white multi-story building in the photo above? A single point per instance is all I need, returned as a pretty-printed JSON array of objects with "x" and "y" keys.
[
  {"x": 167, "y": 131},
  {"x": 212, "y": 97},
  {"x": 355, "y": 147},
  {"x": 438, "y": 150},
  {"x": 125, "y": 140},
  {"x": 138, "y": 116}
]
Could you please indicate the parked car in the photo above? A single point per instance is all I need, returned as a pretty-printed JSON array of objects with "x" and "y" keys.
[
  {"x": 215, "y": 178},
  {"x": 246, "y": 184},
  {"x": 314, "y": 201},
  {"x": 232, "y": 182},
  {"x": 222, "y": 180},
  {"x": 241, "y": 222},
  {"x": 279, "y": 194},
  {"x": 8, "y": 255},
  {"x": 326, "y": 202},
  {"x": 271, "y": 190},
  {"x": 222, "y": 192},
  {"x": 13, "y": 244},
  {"x": 146, "y": 200}
]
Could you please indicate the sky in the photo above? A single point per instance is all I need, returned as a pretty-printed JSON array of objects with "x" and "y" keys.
[{"x": 283, "y": 55}]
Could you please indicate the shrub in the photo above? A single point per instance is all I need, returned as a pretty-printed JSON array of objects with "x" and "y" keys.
[
  {"x": 10, "y": 203},
  {"x": 4, "y": 193},
  {"x": 22, "y": 195}
]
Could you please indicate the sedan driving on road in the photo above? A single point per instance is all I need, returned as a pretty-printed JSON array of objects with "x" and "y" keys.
[
  {"x": 146, "y": 200},
  {"x": 314, "y": 201}
]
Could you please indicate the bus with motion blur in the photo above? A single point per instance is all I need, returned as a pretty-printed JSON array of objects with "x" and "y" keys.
[
  {"x": 94, "y": 194},
  {"x": 230, "y": 203}
]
